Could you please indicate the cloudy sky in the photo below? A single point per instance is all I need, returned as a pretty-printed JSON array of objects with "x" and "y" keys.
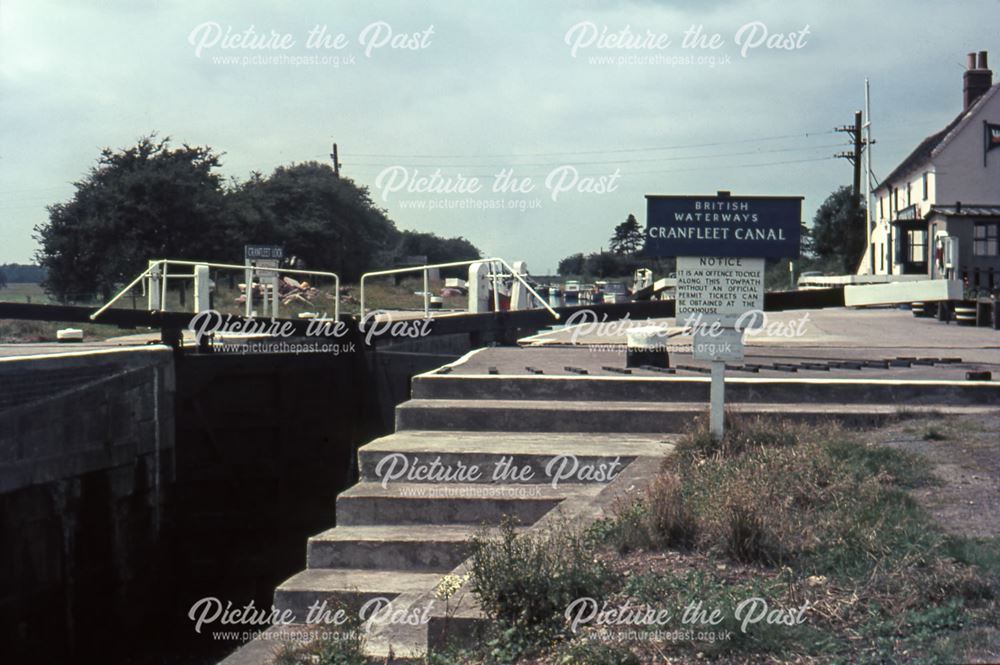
[{"x": 588, "y": 106}]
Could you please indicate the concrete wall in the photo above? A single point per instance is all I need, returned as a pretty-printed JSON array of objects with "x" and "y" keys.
[
  {"x": 86, "y": 459},
  {"x": 134, "y": 483}
]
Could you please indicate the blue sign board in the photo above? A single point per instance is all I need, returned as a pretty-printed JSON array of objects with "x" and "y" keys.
[{"x": 758, "y": 226}]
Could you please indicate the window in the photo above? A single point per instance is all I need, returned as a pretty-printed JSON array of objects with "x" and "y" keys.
[
  {"x": 895, "y": 199},
  {"x": 984, "y": 239},
  {"x": 925, "y": 185},
  {"x": 909, "y": 193},
  {"x": 916, "y": 249}
]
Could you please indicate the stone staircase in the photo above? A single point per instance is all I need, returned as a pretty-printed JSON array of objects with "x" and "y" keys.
[{"x": 398, "y": 533}]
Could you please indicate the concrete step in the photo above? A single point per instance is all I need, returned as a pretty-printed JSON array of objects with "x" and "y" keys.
[
  {"x": 369, "y": 503},
  {"x": 454, "y": 456},
  {"x": 418, "y": 548},
  {"x": 846, "y": 390},
  {"x": 346, "y": 589},
  {"x": 630, "y": 417}
]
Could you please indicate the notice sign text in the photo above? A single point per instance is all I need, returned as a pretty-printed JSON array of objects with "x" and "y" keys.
[{"x": 721, "y": 289}]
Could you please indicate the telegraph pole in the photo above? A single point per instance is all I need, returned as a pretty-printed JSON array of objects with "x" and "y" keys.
[
  {"x": 855, "y": 158},
  {"x": 336, "y": 161},
  {"x": 868, "y": 180}
]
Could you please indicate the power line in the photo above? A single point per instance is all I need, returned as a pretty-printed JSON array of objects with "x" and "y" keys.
[
  {"x": 683, "y": 170},
  {"x": 619, "y": 161},
  {"x": 594, "y": 152}
]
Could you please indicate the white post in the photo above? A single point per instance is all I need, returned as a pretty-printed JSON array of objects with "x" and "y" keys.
[
  {"x": 427, "y": 296},
  {"x": 153, "y": 292},
  {"x": 248, "y": 291},
  {"x": 163, "y": 288},
  {"x": 275, "y": 301},
  {"x": 519, "y": 297},
  {"x": 202, "y": 287},
  {"x": 717, "y": 417},
  {"x": 479, "y": 288}
]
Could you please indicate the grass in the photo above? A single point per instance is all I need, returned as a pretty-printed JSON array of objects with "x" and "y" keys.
[
  {"x": 25, "y": 293},
  {"x": 806, "y": 519}
]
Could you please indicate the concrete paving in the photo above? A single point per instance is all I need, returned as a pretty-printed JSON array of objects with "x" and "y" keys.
[{"x": 827, "y": 335}]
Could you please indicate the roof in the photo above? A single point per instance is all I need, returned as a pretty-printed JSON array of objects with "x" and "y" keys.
[
  {"x": 926, "y": 149},
  {"x": 965, "y": 210}
]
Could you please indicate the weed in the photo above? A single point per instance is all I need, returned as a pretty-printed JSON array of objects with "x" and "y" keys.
[
  {"x": 934, "y": 434},
  {"x": 525, "y": 582},
  {"x": 345, "y": 646}
]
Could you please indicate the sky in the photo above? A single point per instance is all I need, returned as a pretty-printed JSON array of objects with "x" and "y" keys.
[{"x": 531, "y": 128}]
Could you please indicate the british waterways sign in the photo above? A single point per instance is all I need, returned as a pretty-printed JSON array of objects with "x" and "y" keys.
[{"x": 759, "y": 226}]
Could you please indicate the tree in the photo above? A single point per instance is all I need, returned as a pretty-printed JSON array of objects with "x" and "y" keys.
[
  {"x": 438, "y": 250},
  {"x": 3, "y": 279},
  {"x": 330, "y": 223},
  {"x": 835, "y": 231},
  {"x": 149, "y": 201},
  {"x": 572, "y": 265},
  {"x": 628, "y": 237},
  {"x": 22, "y": 273}
]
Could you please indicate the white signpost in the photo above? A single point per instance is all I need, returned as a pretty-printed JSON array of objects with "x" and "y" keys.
[
  {"x": 713, "y": 293},
  {"x": 263, "y": 256},
  {"x": 720, "y": 243}
]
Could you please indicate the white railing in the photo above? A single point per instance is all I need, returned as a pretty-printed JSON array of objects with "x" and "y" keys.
[
  {"x": 158, "y": 269},
  {"x": 454, "y": 264}
]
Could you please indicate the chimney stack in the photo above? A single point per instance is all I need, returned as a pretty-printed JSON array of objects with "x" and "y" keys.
[{"x": 976, "y": 80}]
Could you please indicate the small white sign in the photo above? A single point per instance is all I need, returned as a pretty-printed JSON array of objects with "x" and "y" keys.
[
  {"x": 721, "y": 344},
  {"x": 720, "y": 289}
]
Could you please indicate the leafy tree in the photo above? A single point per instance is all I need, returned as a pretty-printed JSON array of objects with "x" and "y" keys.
[
  {"x": 838, "y": 229},
  {"x": 606, "y": 264},
  {"x": 3, "y": 279},
  {"x": 155, "y": 201},
  {"x": 22, "y": 273},
  {"x": 628, "y": 237},
  {"x": 328, "y": 222},
  {"x": 438, "y": 250},
  {"x": 572, "y": 265},
  {"x": 144, "y": 202}
]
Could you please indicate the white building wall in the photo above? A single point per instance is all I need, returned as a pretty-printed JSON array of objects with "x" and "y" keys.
[
  {"x": 960, "y": 162},
  {"x": 954, "y": 173}
]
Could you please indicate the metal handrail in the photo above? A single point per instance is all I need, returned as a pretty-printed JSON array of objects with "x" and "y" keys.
[
  {"x": 452, "y": 264},
  {"x": 164, "y": 262}
]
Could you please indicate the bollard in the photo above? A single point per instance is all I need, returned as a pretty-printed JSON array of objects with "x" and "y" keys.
[
  {"x": 479, "y": 288},
  {"x": 519, "y": 297}
]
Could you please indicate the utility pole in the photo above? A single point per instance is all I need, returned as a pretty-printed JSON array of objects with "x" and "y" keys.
[
  {"x": 336, "y": 161},
  {"x": 868, "y": 180},
  {"x": 855, "y": 158}
]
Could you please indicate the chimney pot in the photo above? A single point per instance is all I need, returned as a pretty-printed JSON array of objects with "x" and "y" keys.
[
  {"x": 976, "y": 80},
  {"x": 971, "y": 61}
]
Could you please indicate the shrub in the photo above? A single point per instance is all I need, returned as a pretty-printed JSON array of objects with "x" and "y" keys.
[{"x": 525, "y": 582}]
